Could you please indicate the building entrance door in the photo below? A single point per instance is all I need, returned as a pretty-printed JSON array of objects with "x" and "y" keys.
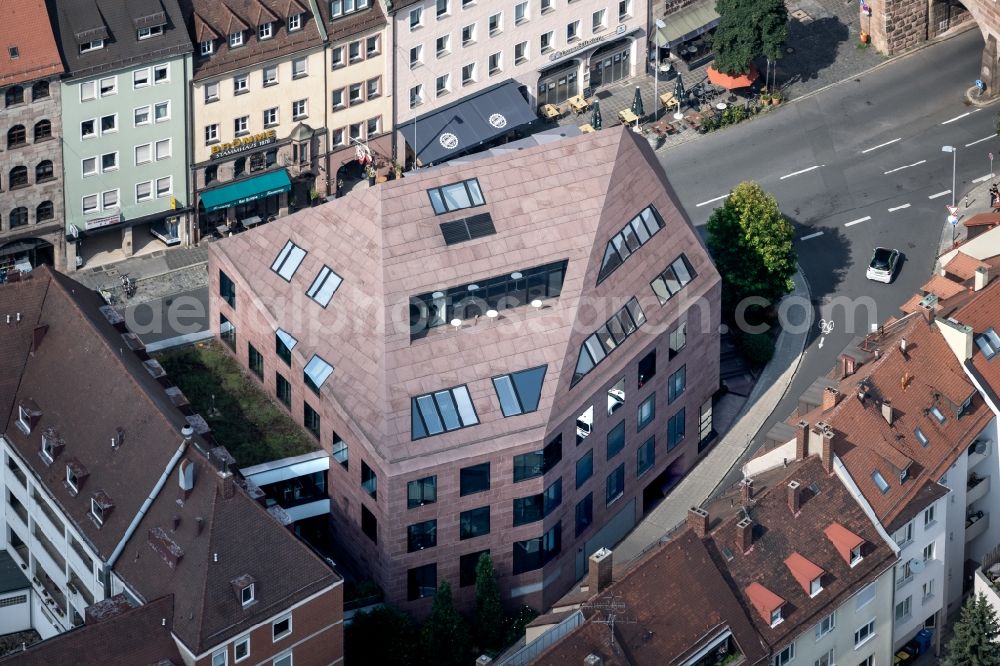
[{"x": 609, "y": 64}]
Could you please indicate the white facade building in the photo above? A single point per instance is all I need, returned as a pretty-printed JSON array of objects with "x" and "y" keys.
[{"x": 555, "y": 49}]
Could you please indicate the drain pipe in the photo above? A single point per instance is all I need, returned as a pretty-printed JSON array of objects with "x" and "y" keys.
[{"x": 187, "y": 432}]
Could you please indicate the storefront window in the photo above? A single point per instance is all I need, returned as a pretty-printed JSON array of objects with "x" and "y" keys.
[{"x": 559, "y": 85}]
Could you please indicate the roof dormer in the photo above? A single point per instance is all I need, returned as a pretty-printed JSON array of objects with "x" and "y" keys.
[
  {"x": 847, "y": 543},
  {"x": 766, "y": 603},
  {"x": 76, "y": 474},
  {"x": 808, "y": 574},
  {"x": 101, "y": 507},
  {"x": 52, "y": 445},
  {"x": 28, "y": 415}
]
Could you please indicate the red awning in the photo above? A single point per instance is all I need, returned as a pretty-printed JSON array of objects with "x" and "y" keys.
[{"x": 732, "y": 82}]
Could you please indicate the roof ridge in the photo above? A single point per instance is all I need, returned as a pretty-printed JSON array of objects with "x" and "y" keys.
[{"x": 27, "y": 354}]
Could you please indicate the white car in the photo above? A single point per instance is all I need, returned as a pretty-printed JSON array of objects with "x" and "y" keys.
[{"x": 882, "y": 267}]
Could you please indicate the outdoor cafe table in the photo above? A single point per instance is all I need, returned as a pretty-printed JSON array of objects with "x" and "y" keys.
[
  {"x": 550, "y": 111},
  {"x": 627, "y": 117},
  {"x": 578, "y": 104},
  {"x": 251, "y": 221},
  {"x": 587, "y": 128}
]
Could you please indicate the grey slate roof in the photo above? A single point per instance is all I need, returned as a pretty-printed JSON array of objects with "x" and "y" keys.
[{"x": 116, "y": 21}]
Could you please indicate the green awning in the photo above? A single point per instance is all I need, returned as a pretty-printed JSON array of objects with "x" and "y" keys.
[
  {"x": 687, "y": 23},
  {"x": 251, "y": 189}
]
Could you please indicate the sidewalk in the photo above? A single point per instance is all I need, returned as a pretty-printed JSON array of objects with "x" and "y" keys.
[{"x": 704, "y": 478}]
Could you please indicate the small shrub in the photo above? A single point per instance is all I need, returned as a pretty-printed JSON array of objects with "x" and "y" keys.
[{"x": 758, "y": 348}]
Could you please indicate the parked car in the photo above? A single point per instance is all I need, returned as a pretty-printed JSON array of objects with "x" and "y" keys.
[{"x": 882, "y": 267}]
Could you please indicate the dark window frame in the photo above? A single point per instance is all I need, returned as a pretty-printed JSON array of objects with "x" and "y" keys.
[
  {"x": 369, "y": 480},
  {"x": 227, "y": 289},
  {"x": 675, "y": 433},
  {"x": 627, "y": 320},
  {"x": 282, "y": 389},
  {"x": 417, "y": 412},
  {"x": 513, "y": 384},
  {"x": 645, "y": 463},
  {"x": 369, "y": 524},
  {"x": 444, "y": 209},
  {"x": 470, "y": 523},
  {"x": 617, "y": 253},
  {"x": 675, "y": 390},
  {"x": 473, "y": 471},
  {"x": 612, "y": 493},
  {"x": 585, "y": 507},
  {"x": 311, "y": 419},
  {"x": 588, "y": 468},
  {"x": 227, "y": 335},
  {"x": 417, "y": 579},
  {"x": 421, "y": 536},
  {"x": 467, "y": 567},
  {"x": 422, "y": 491},
  {"x": 646, "y": 369},
  {"x": 255, "y": 361},
  {"x": 615, "y": 440}
]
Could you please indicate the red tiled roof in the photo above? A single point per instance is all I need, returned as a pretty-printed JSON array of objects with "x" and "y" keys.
[
  {"x": 803, "y": 570},
  {"x": 913, "y": 304},
  {"x": 963, "y": 266},
  {"x": 26, "y": 26},
  {"x": 763, "y": 600},
  {"x": 983, "y": 220},
  {"x": 982, "y": 313},
  {"x": 942, "y": 287},
  {"x": 843, "y": 539}
]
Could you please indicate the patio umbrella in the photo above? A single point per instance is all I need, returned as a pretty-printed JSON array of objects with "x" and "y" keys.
[
  {"x": 679, "y": 91},
  {"x": 732, "y": 82},
  {"x": 595, "y": 120},
  {"x": 637, "y": 104}
]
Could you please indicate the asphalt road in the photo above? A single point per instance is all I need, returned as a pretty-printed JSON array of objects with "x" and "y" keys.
[{"x": 855, "y": 166}]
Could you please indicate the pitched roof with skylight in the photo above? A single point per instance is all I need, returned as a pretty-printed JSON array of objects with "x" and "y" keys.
[
  {"x": 324, "y": 286},
  {"x": 288, "y": 260}
]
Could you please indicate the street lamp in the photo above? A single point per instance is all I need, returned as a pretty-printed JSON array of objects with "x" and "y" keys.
[{"x": 954, "y": 157}]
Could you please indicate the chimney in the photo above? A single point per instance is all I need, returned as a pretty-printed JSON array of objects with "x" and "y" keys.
[
  {"x": 599, "y": 576},
  {"x": 847, "y": 365},
  {"x": 816, "y": 438},
  {"x": 483, "y": 660},
  {"x": 959, "y": 338},
  {"x": 887, "y": 411},
  {"x": 927, "y": 306},
  {"x": 744, "y": 535},
  {"x": 902, "y": 348},
  {"x": 227, "y": 485},
  {"x": 831, "y": 397},
  {"x": 794, "y": 497},
  {"x": 746, "y": 490},
  {"x": 185, "y": 478},
  {"x": 827, "y": 451},
  {"x": 801, "y": 439},
  {"x": 698, "y": 521},
  {"x": 981, "y": 278},
  {"x": 593, "y": 660}
]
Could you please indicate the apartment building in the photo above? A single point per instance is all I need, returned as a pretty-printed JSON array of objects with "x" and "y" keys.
[
  {"x": 258, "y": 110},
  {"x": 32, "y": 227},
  {"x": 447, "y": 50},
  {"x": 126, "y": 493},
  {"x": 360, "y": 86},
  {"x": 506, "y": 354},
  {"x": 125, "y": 137},
  {"x": 793, "y": 573}
]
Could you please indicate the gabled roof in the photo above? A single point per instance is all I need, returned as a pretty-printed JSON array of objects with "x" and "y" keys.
[
  {"x": 764, "y": 601},
  {"x": 78, "y": 371},
  {"x": 843, "y": 539},
  {"x": 386, "y": 243},
  {"x": 982, "y": 313},
  {"x": 804, "y": 571},
  {"x": 140, "y": 636},
  {"x": 942, "y": 287},
  {"x": 217, "y": 540},
  {"x": 344, "y": 27},
  {"x": 78, "y": 21},
  {"x": 26, "y": 27},
  {"x": 963, "y": 266},
  {"x": 679, "y": 602}
]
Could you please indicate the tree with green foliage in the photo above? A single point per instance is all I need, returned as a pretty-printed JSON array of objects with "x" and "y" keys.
[
  {"x": 976, "y": 634},
  {"x": 751, "y": 242},
  {"x": 384, "y": 635},
  {"x": 748, "y": 29},
  {"x": 445, "y": 635},
  {"x": 489, "y": 626},
  {"x": 517, "y": 622}
]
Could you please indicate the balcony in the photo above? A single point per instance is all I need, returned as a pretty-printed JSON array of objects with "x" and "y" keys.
[
  {"x": 21, "y": 513},
  {"x": 52, "y": 525},
  {"x": 57, "y": 560},
  {"x": 15, "y": 475},
  {"x": 975, "y": 524},
  {"x": 978, "y": 487},
  {"x": 52, "y": 596},
  {"x": 978, "y": 452}
]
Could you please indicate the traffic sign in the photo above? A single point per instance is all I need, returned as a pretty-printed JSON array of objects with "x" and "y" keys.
[
  {"x": 991, "y": 155},
  {"x": 952, "y": 210},
  {"x": 952, "y": 220}
]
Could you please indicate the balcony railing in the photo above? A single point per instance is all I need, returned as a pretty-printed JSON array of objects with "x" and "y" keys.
[
  {"x": 978, "y": 487},
  {"x": 50, "y": 515},
  {"x": 50, "y": 550},
  {"x": 975, "y": 524}
]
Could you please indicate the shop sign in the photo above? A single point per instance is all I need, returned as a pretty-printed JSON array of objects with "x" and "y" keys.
[
  {"x": 620, "y": 30},
  {"x": 243, "y": 144},
  {"x": 106, "y": 221}
]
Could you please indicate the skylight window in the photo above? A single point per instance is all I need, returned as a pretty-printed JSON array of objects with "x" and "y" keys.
[
  {"x": 316, "y": 372},
  {"x": 633, "y": 235},
  {"x": 989, "y": 343},
  {"x": 674, "y": 278},
  {"x": 284, "y": 343},
  {"x": 324, "y": 286},
  {"x": 921, "y": 437},
  {"x": 448, "y": 198},
  {"x": 288, "y": 260},
  {"x": 936, "y": 413},
  {"x": 434, "y": 413},
  {"x": 880, "y": 481},
  {"x": 519, "y": 392},
  {"x": 608, "y": 337}
]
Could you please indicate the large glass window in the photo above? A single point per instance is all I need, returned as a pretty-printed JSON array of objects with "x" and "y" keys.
[
  {"x": 421, "y": 535},
  {"x": 323, "y": 287},
  {"x": 316, "y": 372},
  {"x": 678, "y": 339},
  {"x": 500, "y": 293},
  {"x": 519, "y": 392},
  {"x": 528, "y": 509},
  {"x": 310, "y": 419},
  {"x": 369, "y": 524},
  {"x": 227, "y": 331},
  {"x": 616, "y": 396},
  {"x": 474, "y": 479},
  {"x": 369, "y": 482},
  {"x": 676, "y": 384},
  {"x": 552, "y": 497},
  {"x": 284, "y": 343},
  {"x": 465, "y": 194},
  {"x": 227, "y": 289},
  {"x": 647, "y": 368},
  {"x": 474, "y": 523},
  {"x": 422, "y": 491},
  {"x": 673, "y": 278},
  {"x": 536, "y": 463},
  {"x": 532, "y": 554},
  {"x": 435, "y": 413},
  {"x": 467, "y": 567},
  {"x": 256, "y": 361},
  {"x": 647, "y": 412},
  {"x": 608, "y": 337},
  {"x": 645, "y": 456},
  {"x": 421, "y": 582},
  {"x": 339, "y": 451},
  {"x": 616, "y": 440},
  {"x": 675, "y": 429},
  {"x": 283, "y": 389},
  {"x": 615, "y": 486},
  {"x": 584, "y": 513},
  {"x": 633, "y": 235},
  {"x": 584, "y": 468},
  {"x": 288, "y": 260}
]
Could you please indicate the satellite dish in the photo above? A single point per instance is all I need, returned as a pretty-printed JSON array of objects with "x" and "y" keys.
[{"x": 916, "y": 565}]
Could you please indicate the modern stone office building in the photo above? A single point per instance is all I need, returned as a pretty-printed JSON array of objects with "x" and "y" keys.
[{"x": 507, "y": 355}]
